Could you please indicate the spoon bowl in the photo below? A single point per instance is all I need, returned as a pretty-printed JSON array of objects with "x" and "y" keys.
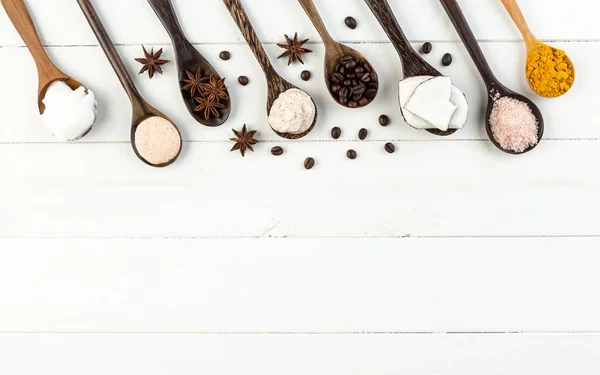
[
  {"x": 189, "y": 60},
  {"x": 532, "y": 46},
  {"x": 276, "y": 85},
  {"x": 334, "y": 51},
  {"x": 498, "y": 91},
  {"x": 135, "y": 123}
]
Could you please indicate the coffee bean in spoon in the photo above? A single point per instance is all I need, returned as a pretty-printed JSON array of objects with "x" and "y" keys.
[
  {"x": 447, "y": 59},
  {"x": 353, "y": 84},
  {"x": 351, "y": 22},
  {"x": 336, "y": 133},
  {"x": 305, "y": 75},
  {"x": 243, "y": 80},
  {"x": 384, "y": 120},
  {"x": 225, "y": 55},
  {"x": 427, "y": 47}
]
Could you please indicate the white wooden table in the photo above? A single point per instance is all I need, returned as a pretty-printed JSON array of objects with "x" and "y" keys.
[{"x": 447, "y": 257}]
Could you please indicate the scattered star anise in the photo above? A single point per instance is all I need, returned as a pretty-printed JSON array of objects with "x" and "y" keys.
[
  {"x": 210, "y": 107},
  {"x": 151, "y": 62},
  {"x": 294, "y": 49},
  {"x": 244, "y": 140},
  {"x": 215, "y": 90},
  {"x": 194, "y": 82}
]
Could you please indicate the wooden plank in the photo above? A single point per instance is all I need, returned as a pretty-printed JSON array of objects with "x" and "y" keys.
[
  {"x": 424, "y": 189},
  {"x": 19, "y": 121},
  {"x": 61, "y": 23},
  {"x": 370, "y": 354},
  {"x": 300, "y": 286}
]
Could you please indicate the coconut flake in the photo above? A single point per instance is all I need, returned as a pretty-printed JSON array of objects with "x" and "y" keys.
[
  {"x": 459, "y": 119},
  {"x": 407, "y": 88},
  {"x": 431, "y": 102}
]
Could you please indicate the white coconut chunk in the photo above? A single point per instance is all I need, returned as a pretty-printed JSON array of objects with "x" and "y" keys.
[
  {"x": 407, "y": 88},
  {"x": 459, "y": 119},
  {"x": 431, "y": 102}
]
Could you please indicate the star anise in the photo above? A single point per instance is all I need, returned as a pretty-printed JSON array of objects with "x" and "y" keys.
[
  {"x": 194, "y": 82},
  {"x": 294, "y": 49},
  {"x": 210, "y": 107},
  {"x": 244, "y": 140},
  {"x": 151, "y": 62},
  {"x": 215, "y": 90}
]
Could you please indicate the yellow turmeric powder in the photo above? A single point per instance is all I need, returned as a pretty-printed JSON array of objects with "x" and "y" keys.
[{"x": 549, "y": 71}]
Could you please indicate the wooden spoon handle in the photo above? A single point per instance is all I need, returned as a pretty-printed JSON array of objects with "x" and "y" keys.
[
  {"x": 466, "y": 34},
  {"x": 165, "y": 12},
  {"x": 241, "y": 19},
  {"x": 21, "y": 19},
  {"x": 517, "y": 16},
  {"x": 111, "y": 52},
  {"x": 315, "y": 17}
]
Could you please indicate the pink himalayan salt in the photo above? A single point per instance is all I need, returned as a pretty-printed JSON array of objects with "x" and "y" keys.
[{"x": 513, "y": 124}]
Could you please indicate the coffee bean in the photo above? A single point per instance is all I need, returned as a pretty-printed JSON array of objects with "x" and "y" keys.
[
  {"x": 351, "y": 154},
  {"x": 336, "y": 133},
  {"x": 277, "y": 151},
  {"x": 351, "y": 22},
  {"x": 305, "y": 75},
  {"x": 225, "y": 55},
  {"x": 447, "y": 59},
  {"x": 384, "y": 120},
  {"x": 427, "y": 47},
  {"x": 309, "y": 163},
  {"x": 358, "y": 77},
  {"x": 390, "y": 148},
  {"x": 362, "y": 134},
  {"x": 243, "y": 80}
]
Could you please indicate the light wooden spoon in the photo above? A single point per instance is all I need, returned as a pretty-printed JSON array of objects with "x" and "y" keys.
[
  {"x": 48, "y": 73},
  {"x": 531, "y": 42}
]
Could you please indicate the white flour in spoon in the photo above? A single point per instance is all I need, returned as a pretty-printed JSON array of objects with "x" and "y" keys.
[
  {"x": 69, "y": 114},
  {"x": 293, "y": 112}
]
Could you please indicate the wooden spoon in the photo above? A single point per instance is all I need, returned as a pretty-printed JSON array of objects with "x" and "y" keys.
[
  {"x": 531, "y": 42},
  {"x": 413, "y": 65},
  {"x": 495, "y": 89},
  {"x": 48, "y": 73},
  {"x": 275, "y": 84},
  {"x": 141, "y": 110},
  {"x": 334, "y": 51},
  {"x": 188, "y": 60}
]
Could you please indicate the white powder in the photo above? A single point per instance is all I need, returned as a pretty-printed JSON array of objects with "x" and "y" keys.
[
  {"x": 293, "y": 112},
  {"x": 69, "y": 114},
  {"x": 157, "y": 140}
]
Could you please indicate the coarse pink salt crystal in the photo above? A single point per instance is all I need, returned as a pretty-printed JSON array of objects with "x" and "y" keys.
[{"x": 513, "y": 125}]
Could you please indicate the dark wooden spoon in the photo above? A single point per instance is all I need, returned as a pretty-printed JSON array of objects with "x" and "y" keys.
[
  {"x": 48, "y": 73},
  {"x": 495, "y": 89},
  {"x": 188, "y": 60},
  {"x": 275, "y": 83},
  {"x": 141, "y": 110},
  {"x": 334, "y": 51},
  {"x": 413, "y": 65}
]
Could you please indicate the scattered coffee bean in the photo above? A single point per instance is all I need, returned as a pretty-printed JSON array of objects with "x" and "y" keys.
[
  {"x": 447, "y": 59},
  {"x": 351, "y": 154},
  {"x": 384, "y": 120},
  {"x": 390, "y": 148},
  {"x": 309, "y": 163},
  {"x": 336, "y": 133},
  {"x": 305, "y": 75},
  {"x": 277, "y": 151},
  {"x": 351, "y": 22},
  {"x": 427, "y": 47},
  {"x": 225, "y": 55},
  {"x": 243, "y": 80},
  {"x": 362, "y": 134},
  {"x": 354, "y": 83}
]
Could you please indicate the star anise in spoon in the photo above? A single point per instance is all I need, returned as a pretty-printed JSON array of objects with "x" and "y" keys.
[
  {"x": 215, "y": 90},
  {"x": 151, "y": 62},
  {"x": 194, "y": 82},
  {"x": 293, "y": 49},
  {"x": 244, "y": 140},
  {"x": 210, "y": 107}
]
